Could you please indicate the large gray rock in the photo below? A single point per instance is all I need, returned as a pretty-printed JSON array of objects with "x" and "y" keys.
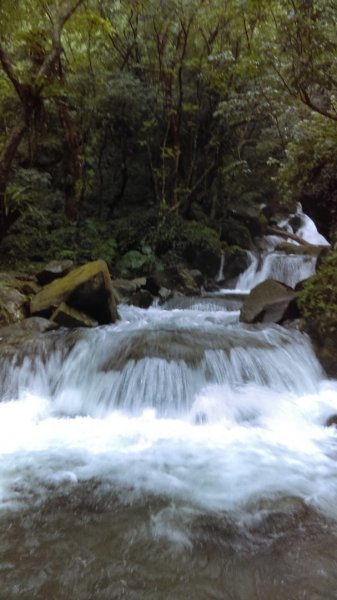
[
  {"x": 269, "y": 302},
  {"x": 88, "y": 289}
]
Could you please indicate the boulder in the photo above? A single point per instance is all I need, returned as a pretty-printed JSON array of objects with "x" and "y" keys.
[
  {"x": 54, "y": 270},
  {"x": 124, "y": 288},
  {"x": 269, "y": 302},
  {"x": 331, "y": 421},
  {"x": 88, "y": 289},
  {"x": 66, "y": 316},
  {"x": 177, "y": 278},
  {"x": 13, "y": 304},
  {"x": 22, "y": 335},
  {"x": 142, "y": 299}
]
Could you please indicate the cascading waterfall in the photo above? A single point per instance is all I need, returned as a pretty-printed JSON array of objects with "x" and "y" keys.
[
  {"x": 290, "y": 268},
  {"x": 175, "y": 454}
]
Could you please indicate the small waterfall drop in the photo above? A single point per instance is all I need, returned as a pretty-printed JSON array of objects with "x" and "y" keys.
[
  {"x": 220, "y": 275},
  {"x": 286, "y": 268}
]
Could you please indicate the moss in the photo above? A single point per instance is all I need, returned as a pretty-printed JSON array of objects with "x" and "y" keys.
[{"x": 318, "y": 300}]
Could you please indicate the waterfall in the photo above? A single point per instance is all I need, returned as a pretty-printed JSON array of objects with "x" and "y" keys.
[
  {"x": 287, "y": 268},
  {"x": 220, "y": 275}
]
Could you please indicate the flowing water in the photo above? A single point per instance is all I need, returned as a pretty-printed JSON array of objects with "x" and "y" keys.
[
  {"x": 290, "y": 269},
  {"x": 175, "y": 455}
]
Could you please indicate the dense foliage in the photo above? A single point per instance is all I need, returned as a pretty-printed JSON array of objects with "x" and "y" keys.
[{"x": 145, "y": 127}]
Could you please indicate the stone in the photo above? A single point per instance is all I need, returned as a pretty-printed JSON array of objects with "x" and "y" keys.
[
  {"x": 331, "y": 421},
  {"x": 54, "y": 270},
  {"x": 124, "y": 288},
  {"x": 177, "y": 279},
  {"x": 13, "y": 304},
  {"x": 35, "y": 325},
  {"x": 65, "y": 316},
  {"x": 269, "y": 302},
  {"x": 164, "y": 294},
  {"x": 21, "y": 336},
  {"x": 142, "y": 299},
  {"x": 29, "y": 288},
  {"x": 88, "y": 289}
]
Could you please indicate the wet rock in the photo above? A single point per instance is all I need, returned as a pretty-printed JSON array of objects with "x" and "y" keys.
[
  {"x": 177, "y": 278},
  {"x": 142, "y": 299},
  {"x": 29, "y": 288},
  {"x": 269, "y": 302},
  {"x": 124, "y": 288},
  {"x": 70, "y": 317},
  {"x": 13, "y": 304},
  {"x": 164, "y": 294},
  {"x": 331, "y": 421},
  {"x": 31, "y": 325},
  {"x": 88, "y": 289},
  {"x": 22, "y": 334},
  {"x": 54, "y": 270}
]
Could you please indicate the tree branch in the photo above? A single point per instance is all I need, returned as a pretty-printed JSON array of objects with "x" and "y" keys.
[
  {"x": 7, "y": 68},
  {"x": 305, "y": 98}
]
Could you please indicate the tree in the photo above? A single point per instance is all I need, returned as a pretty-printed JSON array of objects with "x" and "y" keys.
[{"x": 30, "y": 77}]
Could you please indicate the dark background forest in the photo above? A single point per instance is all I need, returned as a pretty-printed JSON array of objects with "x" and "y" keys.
[{"x": 149, "y": 132}]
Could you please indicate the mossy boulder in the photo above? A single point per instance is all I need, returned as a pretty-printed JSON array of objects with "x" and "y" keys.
[
  {"x": 269, "y": 302},
  {"x": 87, "y": 289}
]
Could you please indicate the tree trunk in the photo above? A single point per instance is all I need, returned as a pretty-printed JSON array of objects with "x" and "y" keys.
[
  {"x": 75, "y": 183},
  {"x": 6, "y": 159}
]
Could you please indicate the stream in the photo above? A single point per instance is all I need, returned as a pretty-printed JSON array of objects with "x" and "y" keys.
[{"x": 177, "y": 454}]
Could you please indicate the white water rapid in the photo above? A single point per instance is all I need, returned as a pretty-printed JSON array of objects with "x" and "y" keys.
[{"x": 176, "y": 454}]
